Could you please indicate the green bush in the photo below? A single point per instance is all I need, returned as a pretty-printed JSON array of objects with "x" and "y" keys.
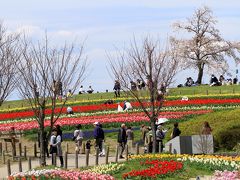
[{"x": 229, "y": 138}]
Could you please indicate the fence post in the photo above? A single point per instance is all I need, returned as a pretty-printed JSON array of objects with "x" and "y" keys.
[
  {"x": 83, "y": 148},
  {"x": 66, "y": 160},
  {"x": 107, "y": 154},
  {"x": 76, "y": 159},
  {"x": 66, "y": 150},
  {"x": 220, "y": 91},
  {"x": 8, "y": 167},
  {"x": 20, "y": 164},
  {"x": 1, "y": 148},
  {"x": 87, "y": 157},
  {"x": 20, "y": 149},
  {"x": 233, "y": 91},
  {"x": 97, "y": 153},
  {"x": 25, "y": 152},
  {"x": 207, "y": 92},
  {"x": 116, "y": 157},
  {"x": 6, "y": 148},
  {"x": 3, "y": 157},
  {"x": 126, "y": 149},
  {"x": 137, "y": 149},
  {"x": 29, "y": 163},
  {"x": 35, "y": 150},
  {"x": 54, "y": 159},
  {"x": 13, "y": 153}
]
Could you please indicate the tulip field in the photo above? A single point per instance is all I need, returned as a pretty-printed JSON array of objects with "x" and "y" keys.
[{"x": 147, "y": 166}]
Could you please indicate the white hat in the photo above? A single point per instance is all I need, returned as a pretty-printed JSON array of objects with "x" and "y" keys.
[
  {"x": 161, "y": 120},
  {"x": 96, "y": 123},
  {"x": 159, "y": 127}
]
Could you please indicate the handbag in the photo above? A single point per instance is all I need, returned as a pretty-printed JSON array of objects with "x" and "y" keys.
[{"x": 52, "y": 149}]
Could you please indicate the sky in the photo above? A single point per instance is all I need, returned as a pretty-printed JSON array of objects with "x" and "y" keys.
[{"x": 104, "y": 25}]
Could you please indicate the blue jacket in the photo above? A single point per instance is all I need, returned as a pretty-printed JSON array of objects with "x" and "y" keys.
[{"x": 98, "y": 132}]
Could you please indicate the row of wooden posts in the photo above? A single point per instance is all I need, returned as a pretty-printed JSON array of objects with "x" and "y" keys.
[{"x": 87, "y": 152}]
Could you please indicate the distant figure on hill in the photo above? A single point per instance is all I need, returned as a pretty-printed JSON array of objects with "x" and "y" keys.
[
  {"x": 221, "y": 80},
  {"x": 90, "y": 90},
  {"x": 127, "y": 106},
  {"x": 214, "y": 81},
  {"x": 176, "y": 132},
  {"x": 69, "y": 110},
  {"x": 117, "y": 88},
  {"x": 206, "y": 128},
  {"x": 81, "y": 90},
  {"x": 69, "y": 93},
  {"x": 133, "y": 86}
]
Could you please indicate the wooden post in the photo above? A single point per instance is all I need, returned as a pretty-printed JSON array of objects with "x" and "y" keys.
[
  {"x": 207, "y": 92},
  {"x": 220, "y": 91},
  {"x": 76, "y": 159},
  {"x": 233, "y": 91},
  {"x": 1, "y": 148},
  {"x": 116, "y": 157},
  {"x": 35, "y": 150},
  {"x": 3, "y": 157},
  {"x": 29, "y": 163},
  {"x": 6, "y": 148},
  {"x": 126, "y": 150},
  {"x": 54, "y": 159},
  {"x": 97, "y": 153},
  {"x": 13, "y": 153},
  {"x": 66, "y": 160},
  {"x": 83, "y": 148},
  {"x": 137, "y": 149},
  {"x": 66, "y": 148},
  {"x": 25, "y": 152},
  {"x": 8, "y": 167},
  {"x": 20, "y": 149},
  {"x": 87, "y": 157},
  {"x": 107, "y": 154},
  {"x": 20, "y": 164}
]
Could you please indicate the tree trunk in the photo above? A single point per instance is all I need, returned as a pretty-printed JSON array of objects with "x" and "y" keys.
[
  {"x": 154, "y": 134},
  {"x": 200, "y": 75},
  {"x": 41, "y": 128}
]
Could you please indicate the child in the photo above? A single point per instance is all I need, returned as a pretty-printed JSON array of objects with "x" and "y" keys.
[{"x": 88, "y": 145}]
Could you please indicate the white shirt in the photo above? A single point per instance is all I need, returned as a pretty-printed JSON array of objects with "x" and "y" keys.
[
  {"x": 78, "y": 134},
  {"x": 69, "y": 109},
  {"x": 128, "y": 106}
]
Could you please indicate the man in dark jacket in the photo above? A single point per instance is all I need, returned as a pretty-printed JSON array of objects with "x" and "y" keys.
[
  {"x": 122, "y": 139},
  {"x": 98, "y": 135}
]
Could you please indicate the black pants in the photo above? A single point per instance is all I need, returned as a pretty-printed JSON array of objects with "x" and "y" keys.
[
  {"x": 99, "y": 144},
  {"x": 157, "y": 146},
  {"x": 117, "y": 93},
  {"x": 122, "y": 145}
]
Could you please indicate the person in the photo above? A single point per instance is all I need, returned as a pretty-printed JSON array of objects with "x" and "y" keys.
[
  {"x": 122, "y": 139},
  {"x": 130, "y": 139},
  {"x": 109, "y": 101},
  {"x": 139, "y": 84},
  {"x": 90, "y": 90},
  {"x": 60, "y": 88},
  {"x": 88, "y": 145},
  {"x": 57, "y": 143},
  {"x": 235, "y": 80},
  {"x": 133, "y": 86},
  {"x": 148, "y": 142},
  {"x": 127, "y": 106},
  {"x": 189, "y": 82},
  {"x": 78, "y": 138},
  {"x": 159, "y": 138},
  {"x": 59, "y": 131},
  {"x": 221, "y": 80},
  {"x": 69, "y": 93},
  {"x": 53, "y": 141},
  {"x": 214, "y": 81},
  {"x": 69, "y": 110},
  {"x": 117, "y": 88},
  {"x": 81, "y": 90},
  {"x": 98, "y": 134},
  {"x": 206, "y": 128},
  {"x": 176, "y": 132},
  {"x": 36, "y": 91},
  {"x": 102, "y": 152}
]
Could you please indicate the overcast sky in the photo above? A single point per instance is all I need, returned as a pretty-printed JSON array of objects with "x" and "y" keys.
[{"x": 107, "y": 24}]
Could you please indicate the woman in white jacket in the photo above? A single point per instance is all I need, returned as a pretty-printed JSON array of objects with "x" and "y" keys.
[{"x": 56, "y": 141}]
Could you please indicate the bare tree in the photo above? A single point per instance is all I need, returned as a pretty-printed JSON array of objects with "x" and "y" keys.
[
  {"x": 154, "y": 66},
  {"x": 206, "y": 47},
  {"x": 9, "y": 56},
  {"x": 46, "y": 73}
]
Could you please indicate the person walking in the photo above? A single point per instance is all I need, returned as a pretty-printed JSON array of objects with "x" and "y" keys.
[
  {"x": 102, "y": 136},
  {"x": 122, "y": 139},
  {"x": 98, "y": 136},
  {"x": 117, "y": 88},
  {"x": 78, "y": 138},
  {"x": 130, "y": 138},
  {"x": 176, "y": 132}
]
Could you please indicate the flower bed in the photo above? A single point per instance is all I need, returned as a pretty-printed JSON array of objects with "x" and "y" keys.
[
  {"x": 157, "y": 168},
  {"x": 111, "y": 168},
  {"x": 226, "y": 175},
  {"x": 60, "y": 175},
  {"x": 111, "y": 118}
]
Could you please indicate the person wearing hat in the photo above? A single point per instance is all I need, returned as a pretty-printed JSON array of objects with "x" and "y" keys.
[
  {"x": 148, "y": 143},
  {"x": 98, "y": 134},
  {"x": 78, "y": 138},
  {"x": 159, "y": 138}
]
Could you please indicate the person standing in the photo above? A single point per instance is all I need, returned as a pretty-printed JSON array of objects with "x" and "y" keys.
[
  {"x": 122, "y": 139},
  {"x": 98, "y": 136},
  {"x": 159, "y": 138},
  {"x": 117, "y": 88},
  {"x": 130, "y": 138},
  {"x": 58, "y": 144},
  {"x": 102, "y": 136},
  {"x": 59, "y": 132},
  {"x": 176, "y": 132},
  {"x": 53, "y": 141},
  {"x": 207, "y": 130},
  {"x": 78, "y": 137}
]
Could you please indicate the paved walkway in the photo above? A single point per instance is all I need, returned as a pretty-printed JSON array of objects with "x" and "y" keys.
[{"x": 71, "y": 163}]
